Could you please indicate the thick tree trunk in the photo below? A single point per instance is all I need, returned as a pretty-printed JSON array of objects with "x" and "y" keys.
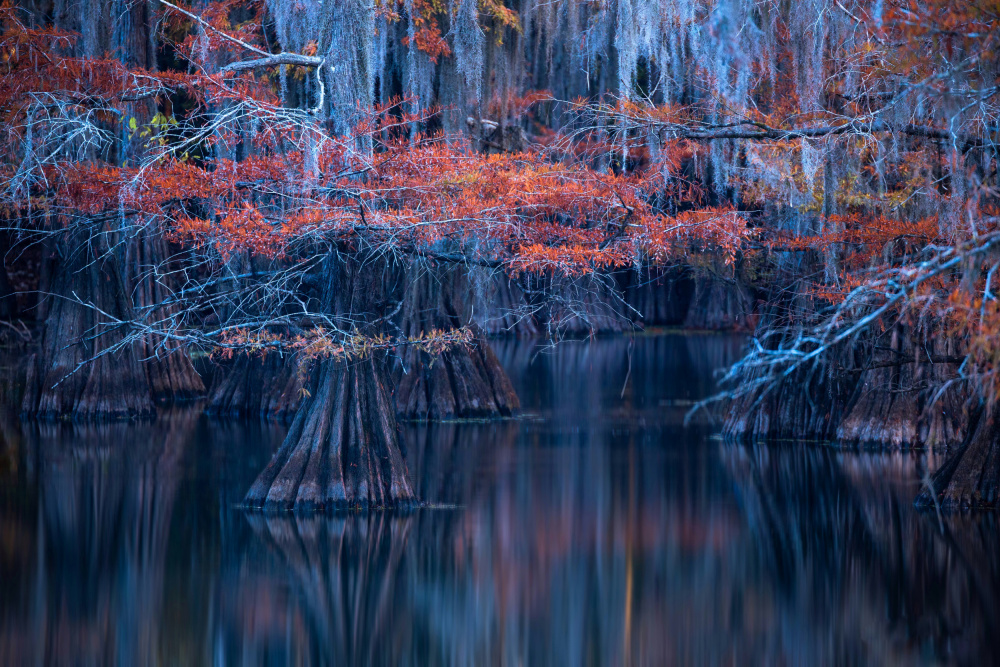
[
  {"x": 8, "y": 300},
  {"x": 882, "y": 390},
  {"x": 75, "y": 372},
  {"x": 342, "y": 449},
  {"x": 807, "y": 405},
  {"x": 970, "y": 478},
  {"x": 897, "y": 403},
  {"x": 803, "y": 406},
  {"x": 659, "y": 297},
  {"x": 266, "y": 385},
  {"x": 269, "y": 386},
  {"x": 462, "y": 382},
  {"x": 719, "y": 304},
  {"x": 583, "y": 306},
  {"x": 505, "y": 311},
  {"x": 169, "y": 370}
]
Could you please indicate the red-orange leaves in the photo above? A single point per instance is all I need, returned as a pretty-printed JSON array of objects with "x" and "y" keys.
[{"x": 233, "y": 230}]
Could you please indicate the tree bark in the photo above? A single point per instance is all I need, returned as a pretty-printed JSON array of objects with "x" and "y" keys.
[
  {"x": 169, "y": 370},
  {"x": 808, "y": 405},
  {"x": 462, "y": 382},
  {"x": 583, "y": 306},
  {"x": 506, "y": 311},
  {"x": 77, "y": 371},
  {"x": 342, "y": 449},
  {"x": 269, "y": 386},
  {"x": 897, "y": 404},
  {"x": 8, "y": 300},
  {"x": 970, "y": 478},
  {"x": 719, "y": 304},
  {"x": 660, "y": 297}
]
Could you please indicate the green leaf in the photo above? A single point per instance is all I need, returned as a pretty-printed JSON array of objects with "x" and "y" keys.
[{"x": 132, "y": 125}]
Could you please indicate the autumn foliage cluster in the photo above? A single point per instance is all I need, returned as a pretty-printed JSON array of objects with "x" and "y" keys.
[
  {"x": 859, "y": 135},
  {"x": 213, "y": 159}
]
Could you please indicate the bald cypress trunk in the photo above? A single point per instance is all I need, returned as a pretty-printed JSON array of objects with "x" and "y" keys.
[
  {"x": 8, "y": 300},
  {"x": 268, "y": 386},
  {"x": 583, "y": 306},
  {"x": 897, "y": 402},
  {"x": 720, "y": 301},
  {"x": 660, "y": 297},
  {"x": 169, "y": 371},
  {"x": 342, "y": 449},
  {"x": 970, "y": 478},
  {"x": 507, "y": 312},
  {"x": 82, "y": 368},
  {"x": 808, "y": 404},
  {"x": 464, "y": 381}
]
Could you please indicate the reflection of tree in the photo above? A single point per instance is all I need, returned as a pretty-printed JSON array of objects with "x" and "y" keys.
[
  {"x": 883, "y": 582},
  {"x": 344, "y": 571},
  {"x": 106, "y": 497},
  {"x": 577, "y": 551},
  {"x": 594, "y": 536},
  {"x": 618, "y": 378},
  {"x": 538, "y": 548},
  {"x": 578, "y": 539},
  {"x": 448, "y": 460}
]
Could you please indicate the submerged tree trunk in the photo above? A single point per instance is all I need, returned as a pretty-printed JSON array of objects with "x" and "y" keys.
[
  {"x": 464, "y": 381},
  {"x": 970, "y": 478},
  {"x": 897, "y": 402},
  {"x": 719, "y": 303},
  {"x": 169, "y": 370},
  {"x": 269, "y": 386},
  {"x": 660, "y": 297},
  {"x": 77, "y": 370},
  {"x": 342, "y": 449}
]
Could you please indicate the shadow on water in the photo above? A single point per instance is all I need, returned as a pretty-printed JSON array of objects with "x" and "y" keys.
[{"x": 596, "y": 530}]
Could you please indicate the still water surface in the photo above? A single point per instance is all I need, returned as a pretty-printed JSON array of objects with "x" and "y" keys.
[{"x": 595, "y": 530}]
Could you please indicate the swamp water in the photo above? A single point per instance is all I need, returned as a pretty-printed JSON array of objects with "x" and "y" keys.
[{"x": 594, "y": 530}]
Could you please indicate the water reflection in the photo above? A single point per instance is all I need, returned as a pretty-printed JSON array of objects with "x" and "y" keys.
[
  {"x": 594, "y": 531},
  {"x": 837, "y": 538},
  {"x": 101, "y": 541}
]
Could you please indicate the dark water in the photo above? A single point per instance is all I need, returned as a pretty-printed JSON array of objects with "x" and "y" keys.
[{"x": 595, "y": 531}]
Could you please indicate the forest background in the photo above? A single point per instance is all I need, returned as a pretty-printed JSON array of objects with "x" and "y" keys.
[{"x": 340, "y": 201}]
